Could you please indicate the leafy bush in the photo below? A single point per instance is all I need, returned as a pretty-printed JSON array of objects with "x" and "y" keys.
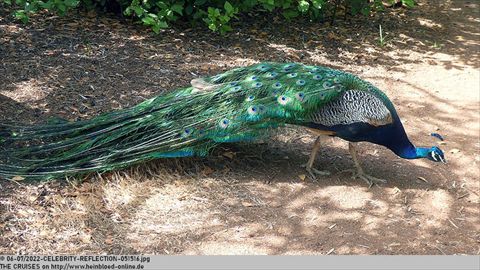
[{"x": 217, "y": 14}]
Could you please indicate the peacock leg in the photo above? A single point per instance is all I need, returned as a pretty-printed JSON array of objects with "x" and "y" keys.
[
  {"x": 309, "y": 166},
  {"x": 360, "y": 173}
]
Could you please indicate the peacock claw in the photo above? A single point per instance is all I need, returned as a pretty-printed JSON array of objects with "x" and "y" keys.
[
  {"x": 369, "y": 179},
  {"x": 314, "y": 172},
  {"x": 359, "y": 173}
]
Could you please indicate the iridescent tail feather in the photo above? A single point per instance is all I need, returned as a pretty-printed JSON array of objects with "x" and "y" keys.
[{"x": 242, "y": 104}]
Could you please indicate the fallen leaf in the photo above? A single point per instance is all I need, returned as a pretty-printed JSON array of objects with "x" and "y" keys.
[
  {"x": 18, "y": 178},
  {"x": 396, "y": 190},
  {"x": 423, "y": 179},
  {"x": 302, "y": 177},
  {"x": 24, "y": 213},
  {"x": 263, "y": 34},
  {"x": 248, "y": 204},
  {"x": 86, "y": 238},
  {"x": 229, "y": 155},
  {"x": 109, "y": 240},
  {"x": 332, "y": 35},
  {"x": 207, "y": 170}
]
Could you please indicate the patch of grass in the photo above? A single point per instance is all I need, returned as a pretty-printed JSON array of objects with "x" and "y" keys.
[
  {"x": 382, "y": 41},
  {"x": 436, "y": 45}
]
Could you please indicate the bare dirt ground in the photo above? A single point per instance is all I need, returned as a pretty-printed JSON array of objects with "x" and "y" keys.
[{"x": 251, "y": 199}]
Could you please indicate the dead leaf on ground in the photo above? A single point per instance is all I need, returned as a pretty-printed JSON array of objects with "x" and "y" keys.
[
  {"x": 248, "y": 204},
  {"x": 18, "y": 178},
  {"x": 229, "y": 155},
  {"x": 109, "y": 240},
  {"x": 207, "y": 170}
]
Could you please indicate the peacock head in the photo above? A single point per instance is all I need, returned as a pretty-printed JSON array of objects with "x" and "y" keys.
[
  {"x": 436, "y": 154},
  {"x": 433, "y": 153}
]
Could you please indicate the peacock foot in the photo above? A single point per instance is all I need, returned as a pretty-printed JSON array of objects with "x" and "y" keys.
[
  {"x": 369, "y": 179},
  {"x": 314, "y": 172}
]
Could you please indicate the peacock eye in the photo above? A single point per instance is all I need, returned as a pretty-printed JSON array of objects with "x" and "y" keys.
[
  {"x": 277, "y": 85},
  {"x": 236, "y": 88},
  {"x": 224, "y": 123},
  {"x": 263, "y": 68},
  {"x": 216, "y": 78},
  {"x": 322, "y": 96},
  {"x": 261, "y": 108},
  {"x": 250, "y": 98},
  {"x": 233, "y": 83},
  {"x": 253, "y": 78},
  {"x": 258, "y": 84},
  {"x": 292, "y": 75},
  {"x": 327, "y": 85},
  {"x": 336, "y": 80},
  {"x": 317, "y": 77},
  {"x": 287, "y": 67},
  {"x": 301, "y": 82},
  {"x": 272, "y": 74},
  {"x": 187, "y": 132},
  {"x": 283, "y": 100},
  {"x": 252, "y": 110},
  {"x": 300, "y": 96}
]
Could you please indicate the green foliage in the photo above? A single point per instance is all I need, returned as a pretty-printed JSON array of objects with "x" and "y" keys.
[
  {"x": 216, "y": 14},
  {"x": 28, "y": 7},
  {"x": 408, "y": 3},
  {"x": 218, "y": 20},
  {"x": 155, "y": 14}
]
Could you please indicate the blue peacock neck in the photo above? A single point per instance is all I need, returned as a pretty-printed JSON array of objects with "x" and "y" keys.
[
  {"x": 401, "y": 145},
  {"x": 412, "y": 152}
]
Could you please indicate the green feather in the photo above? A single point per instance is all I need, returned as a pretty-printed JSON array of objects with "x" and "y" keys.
[{"x": 241, "y": 104}]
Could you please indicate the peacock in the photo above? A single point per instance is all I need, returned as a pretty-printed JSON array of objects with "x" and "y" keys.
[{"x": 240, "y": 105}]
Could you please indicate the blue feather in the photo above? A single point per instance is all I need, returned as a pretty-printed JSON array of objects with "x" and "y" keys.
[{"x": 436, "y": 135}]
